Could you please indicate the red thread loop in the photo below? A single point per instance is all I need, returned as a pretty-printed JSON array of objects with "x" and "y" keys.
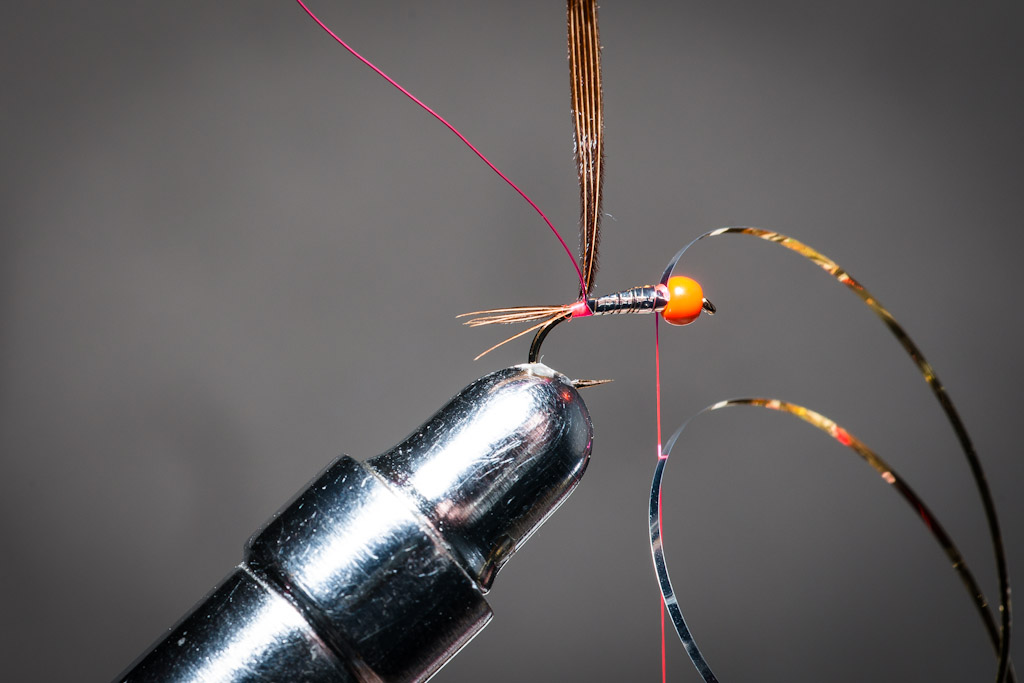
[{"x": 452, "y": 128}]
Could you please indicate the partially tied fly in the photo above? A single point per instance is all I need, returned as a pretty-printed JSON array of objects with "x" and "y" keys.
[{"x": 679, "y": 300}]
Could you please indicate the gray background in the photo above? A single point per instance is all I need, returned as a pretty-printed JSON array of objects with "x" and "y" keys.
[{"x": 230, "y": 252}]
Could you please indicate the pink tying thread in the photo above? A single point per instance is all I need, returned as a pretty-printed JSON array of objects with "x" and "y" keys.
[
  {"x": 580, "y": 309},
  {"x": 452, "y": 128},
  {"x": 661, "y": 456},
  {"x": 657, "y": 385}
]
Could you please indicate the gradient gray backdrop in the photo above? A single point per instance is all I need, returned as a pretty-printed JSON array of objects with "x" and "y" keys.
[{"x": 230, "y": 252}]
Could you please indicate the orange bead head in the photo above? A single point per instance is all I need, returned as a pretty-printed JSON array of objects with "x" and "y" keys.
[{"x": 685, "y": 300}]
